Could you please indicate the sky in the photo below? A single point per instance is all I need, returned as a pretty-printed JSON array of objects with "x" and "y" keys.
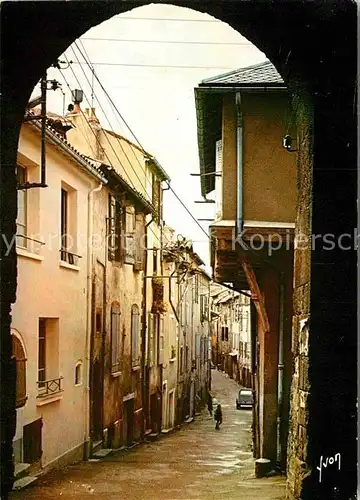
[{"x": 150, "y": 60}]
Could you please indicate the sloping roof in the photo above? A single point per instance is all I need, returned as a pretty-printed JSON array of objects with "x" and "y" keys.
[
  {"x": 258, "y": 74},
  {"x": 107, "y": 170},
  {"x": 208, "y": 102},
  {"x": 51, "y": 133},
  {"x": 151, "y": 159}
]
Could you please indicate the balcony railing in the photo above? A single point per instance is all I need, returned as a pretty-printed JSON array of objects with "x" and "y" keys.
[
  {"x": 69, "y": 257},
  {"x": 49, "y": 387}
]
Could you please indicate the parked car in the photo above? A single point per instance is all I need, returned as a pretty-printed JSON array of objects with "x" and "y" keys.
[{"x": 244, "y": 399}]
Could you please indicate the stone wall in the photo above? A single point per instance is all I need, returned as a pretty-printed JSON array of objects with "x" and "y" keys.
[{"x": 297, "y": 438}]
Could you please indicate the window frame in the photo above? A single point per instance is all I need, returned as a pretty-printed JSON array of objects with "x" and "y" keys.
[
  {"x": 115, "y": 341},
  {"x": 22, "y": 179},
  {"x": 135, "y": 336}
]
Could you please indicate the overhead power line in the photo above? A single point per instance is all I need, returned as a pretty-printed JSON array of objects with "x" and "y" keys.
[
  {"x": 89, "y": 64},
  {"x": 156, "y": 65},
  {"x": 181, "y": 42}
]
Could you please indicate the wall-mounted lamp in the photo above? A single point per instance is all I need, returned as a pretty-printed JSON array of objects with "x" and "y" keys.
[
  {"x": 287, "y": 143},
  {"x": 77, "y": 96}
]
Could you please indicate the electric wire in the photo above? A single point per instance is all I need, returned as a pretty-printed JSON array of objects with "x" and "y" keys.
[
  {"x": 104, "y": 151},
  {"x": 119, "y": 142},
  {"x": 169, "y": 186},
  {"x": 145, "y": 153},
  {"x": 180, "y": 42}
]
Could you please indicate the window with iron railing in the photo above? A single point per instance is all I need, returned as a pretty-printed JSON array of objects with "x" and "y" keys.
[
  {"x": 68, "y": 225},
  {"x": 48, "y": 356},
  {"x": 50, "y": 387}
]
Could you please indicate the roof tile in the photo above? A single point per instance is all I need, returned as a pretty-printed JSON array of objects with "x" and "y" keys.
[{"x": 261, "y": 74}]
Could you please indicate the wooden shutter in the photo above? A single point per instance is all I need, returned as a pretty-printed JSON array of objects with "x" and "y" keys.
[
  {"x": 161, "y": 340},
  {"x": 111, "y": 228},
  {"x": 150, "y": 356},
  {"x": 130, "y": 228},
  {"x": 139, "y": 243},
  {"x": 115, "y": 338},
  {"x": 32, "y": 441},
  {"x": 18, "y": 353}
]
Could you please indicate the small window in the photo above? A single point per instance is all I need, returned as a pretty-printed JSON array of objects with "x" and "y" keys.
[
  {"x": 135, "y": 336},
  {"x": 78, "y": 373},
  {"x": 114, "y": 229}
]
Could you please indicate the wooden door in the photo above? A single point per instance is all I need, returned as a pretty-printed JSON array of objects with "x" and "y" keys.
[{"x": 32, "y": 441}]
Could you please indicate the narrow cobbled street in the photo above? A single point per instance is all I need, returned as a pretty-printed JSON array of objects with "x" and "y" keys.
[{"x": 194, "y": 462}]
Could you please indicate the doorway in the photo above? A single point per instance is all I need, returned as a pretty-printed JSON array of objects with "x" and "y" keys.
[{"x": 128, "y": 429}]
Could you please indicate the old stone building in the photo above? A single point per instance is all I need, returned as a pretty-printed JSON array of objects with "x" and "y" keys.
[
  {"x": 49, "y": 337},
  {"x": 254, "y": 228},
  {"x": 231, "y": 331}
]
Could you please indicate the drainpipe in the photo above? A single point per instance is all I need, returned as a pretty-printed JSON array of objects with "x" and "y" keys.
[
  {"x": 239, "y": 161},
  {"x": 88, "y": 318},
  {"x": 280, "y": 366}
]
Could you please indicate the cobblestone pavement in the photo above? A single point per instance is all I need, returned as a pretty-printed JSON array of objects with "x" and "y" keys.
[{"x": 195, "y": 462}]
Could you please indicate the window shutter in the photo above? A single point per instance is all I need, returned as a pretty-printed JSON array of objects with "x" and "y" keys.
[
  {"x": 19, "y": 355},
  {"x": 150, "y": 356},
  {"x": 129, "y": 249},
  {"x": 197, "y": 345},
  {"x": 139, "y": 243},
  {"x": 115, "y": 341},
  {"x": 111, "y": 227},
  {"x": 161, "y": 340}
]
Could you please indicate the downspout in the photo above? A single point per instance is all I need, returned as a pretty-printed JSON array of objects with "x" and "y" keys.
[
  {"x": 88, "y": 318},
  {"x": 144, "y": 343},
  {"x": 280, "y": 366},
  {"x": 239, "y": 162}
]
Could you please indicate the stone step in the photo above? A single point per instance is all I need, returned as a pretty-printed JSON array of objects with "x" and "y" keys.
[
  {"x": 102, "y": 453},
  {"x": 23, "y": 482},
  {"x": 20, "y": 469}
]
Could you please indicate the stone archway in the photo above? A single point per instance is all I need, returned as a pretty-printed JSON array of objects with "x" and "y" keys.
[{"x": 313, "y": 46}]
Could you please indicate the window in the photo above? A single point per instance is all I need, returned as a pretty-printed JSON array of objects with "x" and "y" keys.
[
  {"x": 21, "y": 220},
  {"x": 42, "y": 352},
  {"x": 49, "y": 382},
  {"x": 115, "y": 338},
  {"x": 224, "y": 333},
  {"x": 153, "y": 325},
  {"x": 196, "y": 288},
  {"x": 203, "y": 308},
  {"x": 130, "y": 229},
  {"x": 78, "y": 373},
  {"x": 68, "y": 222},
  {"x": 181, "y": 359},
  {"x": 19, "y": 355},
  {"x": 135, "y": 336},
  {"x": 139, "y": 242},
  {"x": 114, "y": 229},
  {"x": 155, "y": 256},
  {"x": 161, "y": 340}
]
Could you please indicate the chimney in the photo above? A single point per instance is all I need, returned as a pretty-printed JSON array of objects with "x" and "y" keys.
[{"x": 91, "y": 115}]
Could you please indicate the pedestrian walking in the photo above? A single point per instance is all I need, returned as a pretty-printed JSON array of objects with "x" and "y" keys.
[
  {"x": 210, "y": 403},
  {"x": 218, "y": 417}
]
